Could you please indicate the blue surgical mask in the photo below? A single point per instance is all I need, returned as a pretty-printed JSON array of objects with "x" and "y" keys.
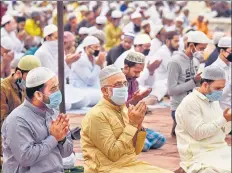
[
  {"x": 55, "y": 100},
  {"x": 214, "y": 95},
  {"x": 22, "y": 84},
  {"x": 120, "y": 95}
]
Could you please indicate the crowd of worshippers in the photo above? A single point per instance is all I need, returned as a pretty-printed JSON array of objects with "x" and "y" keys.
[{"x": 119, "y": 59}]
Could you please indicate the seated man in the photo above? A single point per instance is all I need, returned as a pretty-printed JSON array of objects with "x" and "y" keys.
[
  {"x": 202, "y": 127},
  {"x": 112, "y": 136},
  {"x": 133, "y": 66},
  {"x": 35, "y": 138},
  {"x": 84, "y": 73}
]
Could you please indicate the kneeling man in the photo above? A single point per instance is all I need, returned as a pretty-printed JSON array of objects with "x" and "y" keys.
[{"x": 202, "y": 127}]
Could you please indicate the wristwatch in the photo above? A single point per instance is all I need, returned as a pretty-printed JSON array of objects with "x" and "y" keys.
[{"x": 62, "y": 142}]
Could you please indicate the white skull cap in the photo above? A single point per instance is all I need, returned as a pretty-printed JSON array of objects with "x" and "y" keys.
[
  {"x": 198, "y": 37},
  {"x": 116, "y": 14},
  {"x": 142, "y": 39},
  {"x": 225, "y": 42},
  {"x": 90, "y": 40},
  {"x": 217, "y": 36},
  {"x": 136, "y": 15},
  {"x": 6, "y": 18},
  {"x": 49, "y": 29},
  {"x": 109, "y": 71},
  {"x": 101, "y": 20},
  {"x": 38, "y": 76},
  {"x": 213, "y": 72}
]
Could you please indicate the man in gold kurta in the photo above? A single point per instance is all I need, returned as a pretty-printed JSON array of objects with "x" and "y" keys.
[{"x": 111, "y": 135}]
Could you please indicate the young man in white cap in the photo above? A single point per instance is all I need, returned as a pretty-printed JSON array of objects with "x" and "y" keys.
[
  {"x": 113, "y": 31},
  {"x": 82, "y": 34},
  {"x": 157, "y": 79},
  {"x": 224, "y": 62},
  {"x": 8, "y": 29},
  {"x": 183, "y": 67},
  {"x": 214, "y": 55},
  {"x": 142, "y": 44},
  {"x": 115, "y": 52},
  {"x": 146, "y": 26},
  {"x": 135, "y": 25},
  {"x": 112, "y": 135},
  {"x": 35, "y": 136},
  {"x": 48, "y": 52},
  {"x": 84, "y": 72},
  {"x": 6, "y": 56},
  {"x": 159, "y": 38},
  {"x": 202, "y": 126}
]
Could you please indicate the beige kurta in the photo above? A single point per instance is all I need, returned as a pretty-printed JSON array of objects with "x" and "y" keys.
[
  {"x": 106, "y": 141},
  {"x": 201, "y": 130}
]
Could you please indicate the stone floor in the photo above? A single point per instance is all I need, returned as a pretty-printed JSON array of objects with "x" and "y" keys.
[{"x": 159, "y": 120}]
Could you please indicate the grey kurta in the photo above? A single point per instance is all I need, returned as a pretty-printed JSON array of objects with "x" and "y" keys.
[{"x": 27, "y": 145}]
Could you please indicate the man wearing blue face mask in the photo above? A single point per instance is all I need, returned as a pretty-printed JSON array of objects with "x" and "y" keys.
[
  {"x": 111, "y": 134},
  {"x": 202, "y": 126},
  {"x": 35, "y": 138}
]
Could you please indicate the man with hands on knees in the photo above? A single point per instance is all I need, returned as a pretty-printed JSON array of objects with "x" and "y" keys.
[
  {"x": 34, "y": 138},
  {"x": 111, "y": 134}
]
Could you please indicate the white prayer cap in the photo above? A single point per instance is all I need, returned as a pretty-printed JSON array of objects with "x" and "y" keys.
[
  {"x": 142, "y": 39},
  {"x": 135, "y": 57},
  {"x": 198, "y": 37},
  {"x": 83, "y": 30},
  {"x": 90, "y": 40},
  {"x": 38, "y": 76},
  {"x": 128, "y": 34},
  {"x": 157, "y": 29},
  {"x": 217, "y": 36},
  {"x": 6, "y": 18},
  {"x": 71, "y": 16},
  {"x": 113, "y": 5},
  {"x": 143, "y": 4},
  {"x": 109, "y": 71},
  {"x": 49, "y": 29},
  {"x": 6, "y": 43},
  {"x": 136, "y": 15},
  {"x": 116, "y": 14},
  {"x": 212, "y": 72},
  {"x": 225, "y": 42},
  {"x": 101, "y": 20},
  {"x": 145, "y": 22},
  {"x": 83, "y": 8},
  {"x": 99, "y": 34}
]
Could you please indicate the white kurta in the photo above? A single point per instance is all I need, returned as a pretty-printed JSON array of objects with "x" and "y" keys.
[
  {"x": 225, "y": 101},
  {"x": 158, "y": 82},
  {"x": 201, "y": 130},
  {"x": 48, "y": 55},
  {"x": 119, "y": 63},
  {"x": 155, "y": 46},
  {"x": 85, "y": 76},
  {"x": 18, "y": 46}
]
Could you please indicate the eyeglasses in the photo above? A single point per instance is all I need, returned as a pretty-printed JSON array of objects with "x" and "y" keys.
[{"x": 119, "y": 85}]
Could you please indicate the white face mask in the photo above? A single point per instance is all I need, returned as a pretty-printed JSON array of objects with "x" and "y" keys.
[
  {"x": 198, "y": 55},
  {"x": 120, "y": 95}
]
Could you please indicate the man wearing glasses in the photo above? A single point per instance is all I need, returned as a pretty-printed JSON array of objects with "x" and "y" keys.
[{"x": 112, "y": 135}]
